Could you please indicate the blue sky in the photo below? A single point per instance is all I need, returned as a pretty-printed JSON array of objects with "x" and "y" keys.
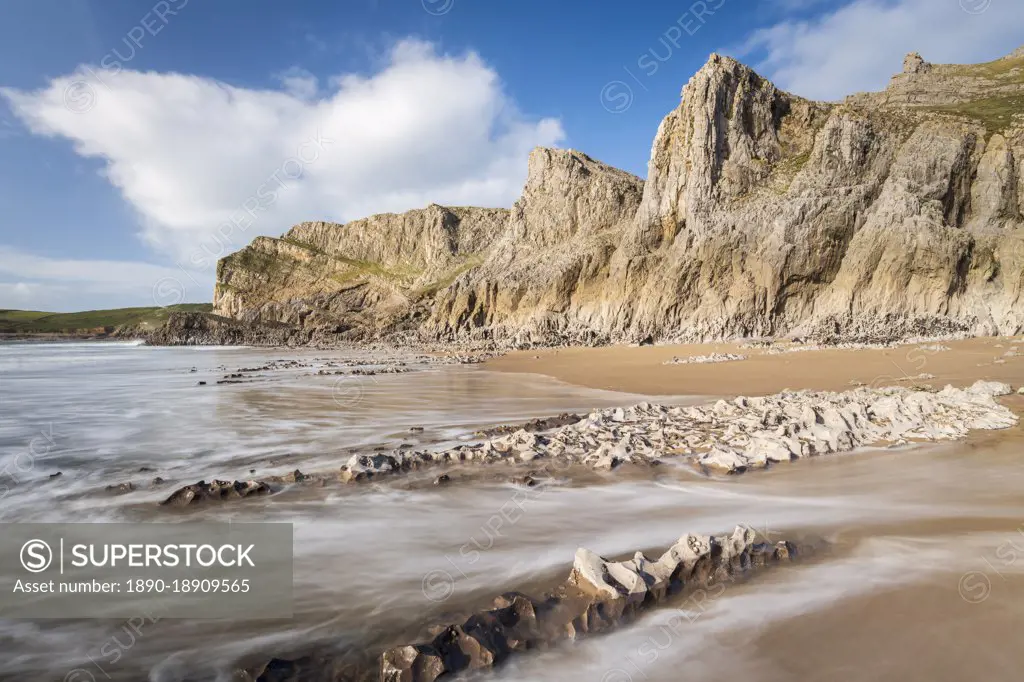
[{"x": 141, "y": 140}]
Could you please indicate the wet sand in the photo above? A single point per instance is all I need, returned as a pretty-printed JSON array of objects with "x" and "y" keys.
[{"x": 642, "y": 370}]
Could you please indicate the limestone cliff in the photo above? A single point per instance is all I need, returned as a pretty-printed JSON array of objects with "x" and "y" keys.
[
  {"x": 885, "y": 215},
  {"x": 360, "y": 276},
  {"x": 552, "y": 261}
]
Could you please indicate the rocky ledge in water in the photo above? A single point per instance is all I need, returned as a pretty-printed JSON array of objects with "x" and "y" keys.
[
  {"x": 532, "y": 426},
  {"x": 728, "y": 436},
  {"x": 598, "y": 596},
  {"x": 215, "y": 491}
]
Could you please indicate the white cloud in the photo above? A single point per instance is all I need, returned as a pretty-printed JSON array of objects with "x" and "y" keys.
[
  {"x": 299, "y": 83},
  {"x": 60, "y": 284},
  {"x": 860, "y": 45},
  {"x": 191, "y": 154}
]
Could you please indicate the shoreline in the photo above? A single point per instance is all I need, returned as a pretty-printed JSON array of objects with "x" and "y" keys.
[{"x": 319, "y": 487}]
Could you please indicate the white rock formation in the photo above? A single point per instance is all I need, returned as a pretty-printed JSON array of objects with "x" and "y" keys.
[
  {"x": 706, "y": 359},
  {"x": 737, "y": 435},
  {"x": 632, "y": 580}
]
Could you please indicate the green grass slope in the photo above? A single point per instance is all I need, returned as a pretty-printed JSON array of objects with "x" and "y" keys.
[{"x": 90, "y": 321}]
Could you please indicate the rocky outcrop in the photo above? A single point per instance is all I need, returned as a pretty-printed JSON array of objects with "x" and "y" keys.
[
  {"x": 888, "y": 215},
  {"x": 728, "y": 436},
  {"x": 204, "y": 329},
  {"x": 356, "y": 278},
  {"x": 598, "y": 596},
  {"x": 551, "y": 263}
]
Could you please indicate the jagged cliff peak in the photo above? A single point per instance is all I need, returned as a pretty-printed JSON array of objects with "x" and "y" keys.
[
  {"x": 718, "y": 71},
  {"x": 543, "y": 159}
]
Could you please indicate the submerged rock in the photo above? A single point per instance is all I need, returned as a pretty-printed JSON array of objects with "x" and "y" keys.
[
  {"x": 216, "y": 491},
  {"x": 365, "y": 467},
  {"x": 598, "y": 596}
]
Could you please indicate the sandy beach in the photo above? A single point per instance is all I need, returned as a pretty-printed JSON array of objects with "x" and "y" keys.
[{"x": 642, "y": 370}]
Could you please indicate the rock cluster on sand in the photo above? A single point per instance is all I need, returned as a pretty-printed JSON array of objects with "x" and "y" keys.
[
  {"x": 705, "y": 359},
  {"x": 730, "y": 435},
  {"x": 598, "y": 596}
]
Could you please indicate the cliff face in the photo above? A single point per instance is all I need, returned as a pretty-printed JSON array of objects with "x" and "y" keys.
[
  {"x": 550, "y": 267},
  {"x": 768, "y": 214},
  {"x": 356, "y": 277},
  {"x": 885, "y": 215}
]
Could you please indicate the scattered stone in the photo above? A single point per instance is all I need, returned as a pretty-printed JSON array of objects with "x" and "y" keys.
[
  {"x": 201, "y": 383},
  {"x": 59, "y": 473},
  {"x": 442, "y": 479},
  {"x": 158, "y": 481},
  {"x": 120, "y": 488},
  {"x": 705, "y": 359}
]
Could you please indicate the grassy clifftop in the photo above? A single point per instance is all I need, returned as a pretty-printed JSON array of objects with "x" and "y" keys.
[{"x": 89, "y": 322}]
